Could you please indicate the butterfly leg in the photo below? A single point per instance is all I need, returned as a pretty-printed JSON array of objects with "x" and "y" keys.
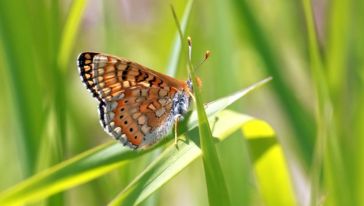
[
  {"x": 176, "y": 119},
  {"x": 214, "y": 124},
  {"x": 192, "y": 96}
]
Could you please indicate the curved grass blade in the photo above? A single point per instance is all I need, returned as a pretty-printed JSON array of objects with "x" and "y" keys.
[
  {"x": 220, "y": 104},
  {"x": 93, "y": 163},
  {"x": 275, "y": 186},
  {"x": 82, "y": 168},
  {"x": 172, "y": 160},
  {"x": 299, "y": 117},
  {"x": 265, "y": 151}
]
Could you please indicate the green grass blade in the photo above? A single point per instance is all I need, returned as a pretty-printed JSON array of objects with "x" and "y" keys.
[
  {"x": 275, "y": 186},
  {"x": 80, "y": 169},
  {"x": 337, "y": 47},
  {"x": 23, "y": 72},
  {"x": 328, "y": 155},
  {"x": 70, "y": 31},
  {"x": 172, "y": 160},
  {"x": 301, "y": 120},
  {"x": 176, "y": 51},
  {"x": 222, "y": 44},
  {"x": 359, "y": 114},
  {"x": 321, "y": 98},
  {"x": 222, "y": 103},
  {"x": 90, "y": 165},
  {"x": 216, "y": 185},
  {"x": 64, "y": 43},
  {"x": 338, "y": 158}
]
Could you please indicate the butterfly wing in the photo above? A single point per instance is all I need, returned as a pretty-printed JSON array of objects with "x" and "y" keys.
[
  {"x": 107, "y": 77},
  {"x": 135, "y": 102},
  {"x": 140, "y": 118}
]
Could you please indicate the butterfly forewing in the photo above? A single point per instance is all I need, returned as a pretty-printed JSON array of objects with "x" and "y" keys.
[
  {"x": 135, "y": 102},
  {"x": 107, "y": 76}
]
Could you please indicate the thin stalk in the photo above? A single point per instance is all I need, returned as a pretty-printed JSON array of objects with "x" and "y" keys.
[{"x": 216, "y": 185}]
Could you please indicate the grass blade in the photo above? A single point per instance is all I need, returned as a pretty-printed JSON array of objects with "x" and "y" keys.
[
  {"x": 321, "y": 97},
  {"x": 299, "y": 117},
  {"x": 176, "y": 51},
  {"x": 275, "y": 186},
  {"x": 172, "y": 161},
  {"x": 338, "y": 156},
  {"x": 27, "y": 104},
  {"x": 80, "y": 169},
  {"x": 69, "y": 32},
  {"x": 90, "y": 164},
  {"x": 216, "y": 185},
  {"x": 328, "y": 155}
]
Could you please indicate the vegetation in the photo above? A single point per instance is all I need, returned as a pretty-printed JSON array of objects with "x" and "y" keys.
[{"x": 294, "y": 140}]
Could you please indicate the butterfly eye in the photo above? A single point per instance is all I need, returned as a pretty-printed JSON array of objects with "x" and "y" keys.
[
  {"x": 122, "y": 109},
  {"x": 121, "y": 116},
  {"x": 126, "y": 122}
]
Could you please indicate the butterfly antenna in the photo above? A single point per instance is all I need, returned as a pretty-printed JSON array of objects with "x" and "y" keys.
[
  {"x": 189, "y": 81},
  {"x": 189, "y": 40},
  {"x": 206, "y": 56}
]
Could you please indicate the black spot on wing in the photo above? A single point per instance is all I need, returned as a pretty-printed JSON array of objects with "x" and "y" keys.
[{"x": 125, "y": 72}]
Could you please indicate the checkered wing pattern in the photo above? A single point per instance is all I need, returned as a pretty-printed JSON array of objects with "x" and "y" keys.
[{"x": 135, "y": 101}]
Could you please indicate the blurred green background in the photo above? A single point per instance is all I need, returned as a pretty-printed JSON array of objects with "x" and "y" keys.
[{"x": 314, "y": 50}]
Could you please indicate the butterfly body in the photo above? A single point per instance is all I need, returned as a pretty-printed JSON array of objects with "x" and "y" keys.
[{"x": 138, "y": 106}]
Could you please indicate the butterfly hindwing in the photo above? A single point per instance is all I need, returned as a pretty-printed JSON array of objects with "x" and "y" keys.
[{"x": 136, "y": 118}]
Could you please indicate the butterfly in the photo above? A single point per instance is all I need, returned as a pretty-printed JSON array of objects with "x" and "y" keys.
[{"x": 137, "y": 106}]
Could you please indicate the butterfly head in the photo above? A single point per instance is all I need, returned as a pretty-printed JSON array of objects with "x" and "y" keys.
[
  {"x": 182, "y": 99},
  {"x": 181, "y": 102}
]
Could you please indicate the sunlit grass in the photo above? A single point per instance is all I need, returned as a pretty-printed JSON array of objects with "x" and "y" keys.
[{"x": 108, "y": 157}]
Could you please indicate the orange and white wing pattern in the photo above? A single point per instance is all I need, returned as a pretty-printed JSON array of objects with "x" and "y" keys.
[{"x": 138, "y": 106}]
